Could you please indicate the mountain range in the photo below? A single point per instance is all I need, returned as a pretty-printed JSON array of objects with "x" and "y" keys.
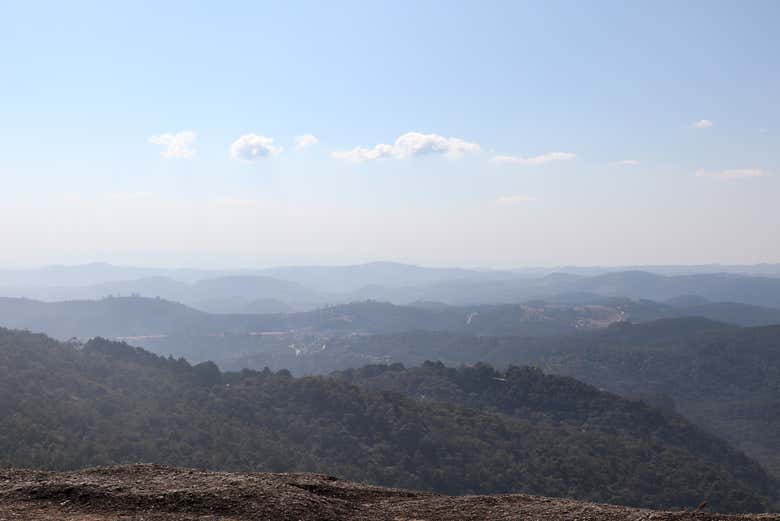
[
  {"x": 678, "y": 366},
  {"x": 120, "y": 317},
  {"x": 306, "y": 288}
]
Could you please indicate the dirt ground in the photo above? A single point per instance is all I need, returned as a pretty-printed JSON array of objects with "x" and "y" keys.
[{"x": 157, "y": 493}]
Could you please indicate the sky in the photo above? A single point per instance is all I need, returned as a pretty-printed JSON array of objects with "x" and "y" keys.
[{"x": 493, "y": 134}]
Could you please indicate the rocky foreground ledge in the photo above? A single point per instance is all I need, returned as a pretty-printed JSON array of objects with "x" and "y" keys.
[{"x": 153, "y": 492}]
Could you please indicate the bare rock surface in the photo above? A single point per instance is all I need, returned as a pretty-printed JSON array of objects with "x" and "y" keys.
[{"x": 157, "y": 493}]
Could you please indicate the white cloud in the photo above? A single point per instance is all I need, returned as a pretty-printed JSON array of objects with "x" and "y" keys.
[
  {"x": 304, "y": 141},
  {"x": 416, "y": 144},
  {"x": 535, "y": 160},
  {"x": 177, "y": 146},
  {"x": 250, "y": 147},
  {"x": 627, "y": 162},
  {"x": 703, "y": 123},
  {"x": 731, "y": 175},
  {"x": 360, "y": 154},
  {"x": 515, "y": 199},
  {"x": 411, "y": 144}
]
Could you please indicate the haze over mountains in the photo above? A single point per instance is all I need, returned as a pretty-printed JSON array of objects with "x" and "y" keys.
[
  {"x": 304, "y": 288},
  {"x": 386, "y": 261},
  {"x": 336, "y": 279},
  {"x": 399, "y": 353},
  {"x": 156, "y": 320}
]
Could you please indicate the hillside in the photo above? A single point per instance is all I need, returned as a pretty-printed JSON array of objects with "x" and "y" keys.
[
  {"x": 108, "y": 403},
  {"x": 635, "y": 284},
  {"x": 313, "y": 354},
  {"x": 724, "y": 378},
  {"x": 125, "y": 316},
  {"x": 136, "y": 316},
  {"x": 305, "y": 288},
  {"x": 760, "y": 291},
  {"x": 156, "y": 493},
  {"x": 727, "y": 381},
  {"x": 226, "y": 294},
  {"x": 527, "y": 392},
  {"x": 169, "y": 327}
]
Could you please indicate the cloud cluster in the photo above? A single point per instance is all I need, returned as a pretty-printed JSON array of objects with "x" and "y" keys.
[
  {"x": 251, "y": 147},
  {"x": 732, "y": 175},
  {"x": 360, "y": 154},
  {"x": 176, "y": 146},
  {"x": 703, "y": 123},
  {"x": 416, "y": 144},
  {"x": 305, "y": 141},
  {"x": 535, "y": 160},
  {"x": 411, "y": 144}
]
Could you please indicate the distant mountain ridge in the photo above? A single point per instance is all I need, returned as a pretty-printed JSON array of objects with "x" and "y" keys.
[
  {"x": 325, "y": 279},
  {"x": 228, "y": 294},
  {"x": 743, "y": 289},
  {"x": 306, "y": 287},
  {"x": 138, "y": 316},
  {"x": 407, "y": 274}
]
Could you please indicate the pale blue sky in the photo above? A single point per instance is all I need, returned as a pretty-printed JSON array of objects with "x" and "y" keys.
[{"x": 86, "y": 85}]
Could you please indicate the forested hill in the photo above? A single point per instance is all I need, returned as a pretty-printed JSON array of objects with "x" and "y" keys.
[
  {"x": 139, "y": 316},
  {"x": 527, "y": 392},
  {"x": 728, "y": 381},
  {"x": 724, "y": 378},
  {"x": 62, "y": 407}
]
